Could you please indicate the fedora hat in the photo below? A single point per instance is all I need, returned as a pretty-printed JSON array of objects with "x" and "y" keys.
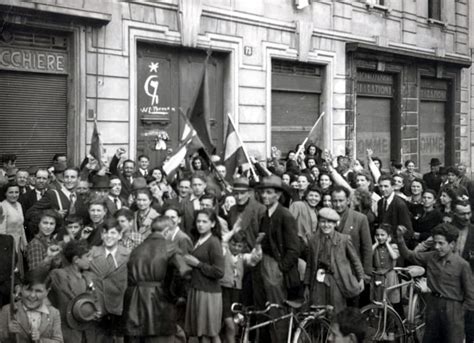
[
  {"x": 272, "y": 181},
  {"x": 435, "y": 162},
  {"x": 100, "y": 182},
  {"x": 81, "y": 311},
  {"x": 241, "y": 184}
]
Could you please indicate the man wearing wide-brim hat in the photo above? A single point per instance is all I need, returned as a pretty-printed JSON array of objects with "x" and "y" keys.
[
  {"x": 249, "y": 210},
  {"x": 433, "y": 178},
  {"x": 277, "y": 274}
]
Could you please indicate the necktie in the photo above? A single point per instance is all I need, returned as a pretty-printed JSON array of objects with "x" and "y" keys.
[
  {"x": 110, "y": 261},
  {"x": 145, "y": 172},
  {"x": 72, "y": 203},
  {"x": 117, "y": 204},
  {"x": 384, "y": 204}
]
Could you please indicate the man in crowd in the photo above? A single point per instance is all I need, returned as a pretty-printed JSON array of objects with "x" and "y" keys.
[
  {"x": 143, "y": 166},
  {"x": 354, "y": 224},
  {"x": 433, "y": 179},
  {"x": 391, "y": 208},
  {"x": 126, "y": 176},
  {"x": 65, "y": 200},
  {"x": 114, "y": 201},
  {"x": 277, "y": 273}
]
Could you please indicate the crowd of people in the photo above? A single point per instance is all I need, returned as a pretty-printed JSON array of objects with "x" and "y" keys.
[{"x": 122, "y": 252}]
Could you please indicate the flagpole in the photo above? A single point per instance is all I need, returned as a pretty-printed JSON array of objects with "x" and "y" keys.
[
  {"x": 243, "y": 148},
  {"x": 309, "y": 134}
]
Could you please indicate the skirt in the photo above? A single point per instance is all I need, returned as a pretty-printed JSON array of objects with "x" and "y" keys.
[{"x": 203, "y": 313}]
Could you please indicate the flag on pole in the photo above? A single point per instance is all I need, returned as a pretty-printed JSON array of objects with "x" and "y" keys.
[
  {"x": 190, "y": 142},
  {"x": 316, "y": 135},
  {"x": 199, "y": 113},
  {"x": 97, "y": 149},
  {"x": 234, "y": 154}
]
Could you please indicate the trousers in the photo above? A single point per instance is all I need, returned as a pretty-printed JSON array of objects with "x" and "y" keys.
[
  {"x": 268, "y": 285},
  {"x": 444, "y": 320}
]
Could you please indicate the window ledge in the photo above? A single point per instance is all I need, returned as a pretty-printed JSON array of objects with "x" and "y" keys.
[
  {"x": 370, "y": 6},
  {"x": 437, "y": 22}
]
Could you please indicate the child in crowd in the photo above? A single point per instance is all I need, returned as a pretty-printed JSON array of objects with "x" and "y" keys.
[
  {"x": 109, "y": 266},
  {"x": 67, "y": 283},
  {"x": 33, "y": 320},
  {"x": 43, "y": 250},
  {"x": 385, "y": 255},
  {"x": 73, "y": 228},
  {"x": 232, "y": 245},
  {"x": 130, "y": 238}
]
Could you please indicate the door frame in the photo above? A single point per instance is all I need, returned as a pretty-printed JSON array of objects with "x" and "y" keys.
[{"x": 140, "y": 32}]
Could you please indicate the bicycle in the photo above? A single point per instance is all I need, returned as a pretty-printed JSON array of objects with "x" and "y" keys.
[
  {"x": 385, "y": 324},
  {"x": 310, "y": 326}
]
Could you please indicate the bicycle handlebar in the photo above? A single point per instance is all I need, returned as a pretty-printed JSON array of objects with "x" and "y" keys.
[{"x": 239, "y": 308}]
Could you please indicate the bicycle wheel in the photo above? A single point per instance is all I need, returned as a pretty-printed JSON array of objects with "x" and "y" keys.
[
  {"x": 416, "y": 326},
  {"x": 312, "y": 330},
  {"x": 380, "y": 328}
]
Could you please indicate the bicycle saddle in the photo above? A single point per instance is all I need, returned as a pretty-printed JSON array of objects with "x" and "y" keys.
[
  {"x": 415, "y": 271},
  {"x": 293, "y": 304}
]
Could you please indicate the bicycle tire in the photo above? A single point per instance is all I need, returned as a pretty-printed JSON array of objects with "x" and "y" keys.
[
  {"x": 375, "y": 320},
  {"x": 312, "y": 330},
  {"x": 417, "y": 326}
]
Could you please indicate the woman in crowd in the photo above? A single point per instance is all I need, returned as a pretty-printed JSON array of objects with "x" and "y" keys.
[
  {"x": 145, "y": 214},
  {"x": 447, "y": 197},
  {"x": 43, "y": 248},
  {"x": 204, "y": 305},
  {"x": 414, "y": 201},
  {"x": 326, "y": 200},
  {"x": 306, "y": 214},
  {"x": 362, "y": 202},
  {"x": 12, "y": 220},
  {"x": 325, "y": 182},
  {"x": 429, "y": 218}
]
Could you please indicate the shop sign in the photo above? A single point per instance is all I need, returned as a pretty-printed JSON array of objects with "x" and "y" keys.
[
  {"x": 33, "y": 60},
  {"x": 433, "y": 94},
  {"x": 374, "y": 84}
]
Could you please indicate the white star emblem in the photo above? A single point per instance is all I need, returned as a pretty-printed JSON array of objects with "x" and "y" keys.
[{"x": 154, "y": 67}]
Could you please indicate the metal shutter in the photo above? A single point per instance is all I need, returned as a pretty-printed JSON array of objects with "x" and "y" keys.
[{"x": 33, "y": 113}]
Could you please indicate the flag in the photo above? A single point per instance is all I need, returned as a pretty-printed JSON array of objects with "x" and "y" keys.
[
  {"x": 97, "y": 149},
  {"x": 316, "y": 135},
  {"x": 199, "y": 113},
  {"x": 234, "y": 154},
  {"x": 189, "y": 143}
]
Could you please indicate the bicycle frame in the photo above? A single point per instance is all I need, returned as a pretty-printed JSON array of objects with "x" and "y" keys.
[
  {"x": 248, "y": 328},
  {"x": 385, "y": 303}
]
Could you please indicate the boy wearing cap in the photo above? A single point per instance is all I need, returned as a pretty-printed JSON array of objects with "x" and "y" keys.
[
  {"x": 329, "y": 277},
  {"x": 450, "y": 280},
  {"x": 33, "y": 320}
]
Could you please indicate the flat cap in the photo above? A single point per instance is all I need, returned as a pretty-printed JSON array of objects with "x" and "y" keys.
[{"x": 329, "y": 214}]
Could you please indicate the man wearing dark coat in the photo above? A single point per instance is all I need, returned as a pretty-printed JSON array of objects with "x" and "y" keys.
[
  {"x": 433, "y": 178},
  {"x": 126, "y": 176},
  {"x": 391, "y": 208},
  {"x": 149, "y": 315},
  {"x": 277, "y": 273}
]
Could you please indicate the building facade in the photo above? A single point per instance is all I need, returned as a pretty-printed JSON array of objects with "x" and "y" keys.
[{"x": 388, "y": 75}]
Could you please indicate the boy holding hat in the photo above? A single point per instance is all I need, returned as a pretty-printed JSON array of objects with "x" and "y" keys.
[{"x": 332, "y": 262}]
